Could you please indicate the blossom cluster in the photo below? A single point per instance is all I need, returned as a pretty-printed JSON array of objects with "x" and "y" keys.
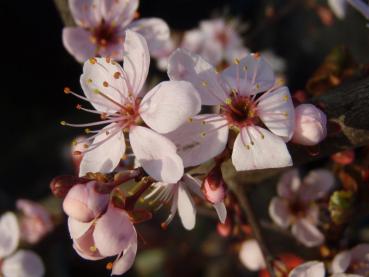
[{"x": 201, "y": 116}]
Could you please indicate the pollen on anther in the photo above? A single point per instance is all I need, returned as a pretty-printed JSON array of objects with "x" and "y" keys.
[
  {"x": 228, "y": 101},
  {"x": 92, "y": 60},
  {"x": 109, "y": 266},
  {"x": 67, "y": 90},
  {"x": 285, "y": 114},
  {"x": 202, "y": 134},
  {"x": 257, "y": 86},
  {"x": 87, "y": 131},
  {"x": 116, "y": 75},
  {"x": 89, "y": 81},
  {"x": 93, "y": 248},
  {"x": 204, "y": 83},
  {"x": 63, "y": 123},
  {"x": 105, "y": 84},
  {"x": 236, "y": 61},
  {"x": 85, "y": 146},
  {"x": 190, "y": 119},
  {"x": 285, "y": 98},
  {"x": 244, "y": 68},
  {"x": 97, "y": 91},
  {"x": 203, "y": 122},
  {"x": 74, "y": 142},
  {"x": 247, "y": 147}
]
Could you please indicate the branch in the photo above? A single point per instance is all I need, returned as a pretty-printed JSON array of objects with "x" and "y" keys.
[
  {"x": 64, "y": 12},
  {"x": 244, "y": 202}
]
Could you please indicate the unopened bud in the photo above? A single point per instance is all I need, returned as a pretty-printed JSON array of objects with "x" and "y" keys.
[
  {"x": 213, "y": 186},
  {"x": 310, "y": 125},
  {"x": 60, "y": 185},
  {"x": 83, "y": 203},
  {"x": 225, "y": 229}
]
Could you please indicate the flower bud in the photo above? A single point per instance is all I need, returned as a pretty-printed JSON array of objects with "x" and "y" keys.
[
  {"x": 83, "y": 203},
  {"x": 213, "y": 186},
  {"x": 310, "y": 125},
  {"x": 60, "y": 185}
]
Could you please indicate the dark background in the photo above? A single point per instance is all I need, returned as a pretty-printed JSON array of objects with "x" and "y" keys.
[{"x": 36, "y": 68}]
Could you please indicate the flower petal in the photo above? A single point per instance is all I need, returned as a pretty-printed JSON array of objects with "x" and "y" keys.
[
  {"x": 10, "y": 234},
  {"x": 156, "y": 154},
  {"x": 136, "y": 61},
  {"x": 77, "y": 42},
  {"x": 309, "y": 269},
  {"x": 118, "y": 12},
  {"x": 124, "y": 263},
  {"x": 155, "y": 31},
  {"x": 306, "y": 233},
  {"x": 338, "y": 7},
  {"x": 103, "y": 84},
  {"x": 341, "y": 262},
  {"x": 86, "y": 13},
  {"x": 289, "y": 184},
  {"x": 317, "y": 184},
  {"x": 221, "y": 211},
  {"x": 257, "y": 148},
  {"x": 250, "y": 75},
  {"x": 106, "y": 156},
  {"x": 280, "y": 212},
  {"x": 78, "y": 228},
  {"x": 192, "y": 68},
  {"x": 113, "y": 232},
  {"x": 168, "y": 105},
  {"x": 251, "y": 256},
  {"x": 276, "y": 111},
  {"x": 186, "y": 208},
  {"x": 360, "y": 252},
  {"x": 24, "y": 263},
  {"x": 200, "y": 139},
  {"x": 193, "y": 184}
]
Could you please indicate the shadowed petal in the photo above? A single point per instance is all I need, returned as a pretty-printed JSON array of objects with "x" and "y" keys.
[
  {"x": 24, "y": 263},
  {"x": 186, "y": 208},
  {"x": 306, "y": 233},
  {"x": 341, "y": 262},
  {"x": 123, "y": 263},
  {"x": 309, "y": 269},
  {"x": 10, "y": 234},
  {"x": 78, "y": 43},
  {"x": 317, "y": 184},
  {"x": 119, "y": 12},
  {"x": 280, "y": 212}
]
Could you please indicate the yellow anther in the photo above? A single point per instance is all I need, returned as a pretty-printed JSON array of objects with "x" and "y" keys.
[
  {"x": 285, "y": 114},
  {"x": 257, "y": 86},
  {"x": 89, "y": 81},
  {"x": 117, "y": 75},
  {"x": 87, "y": 131},
  {"x": 247, "y": 147},
  {"x": 97, "y": 91},
  {"x": 67, "y": 90},
  {"x": 285, "y": 98},
  {"x": 93, "y": 60},
  {"x": 203, "y": 122},
  {"x": 190, "y": 119},
  {"x": 105, "y": 84},
  {"x": 74, "y": 142},
  {"x": 203, "y": 134},
  {"x": 262, "y": 136},
  {"x": 228, "y": 101},
  {"x": 63, "y": 123},
  {"x": 93, "y": 248},
  {"x": 109, "y": 266},
  {"x": 244, "y": 68},
  {"x": 85, "y": 146},
  {"x": 234, "y": 91},
  {"x": 236, "y": 61},
  {"x": 204, "y": 83}
]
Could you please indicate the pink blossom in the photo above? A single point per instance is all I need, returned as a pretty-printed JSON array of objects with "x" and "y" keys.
[
  {"x": 310, "y": 125},
  {"x": 213, "y": 186},
  {"x": 22, "y": 263},
  {"x": 83, "y": 203},
  {"x": 214, "y": 40},
  {"x": 114, "y": 92},
  {"x": 179, "y": 196},
  {"x": 355, "y": 261},
  {"x": 35, "y": 221},
  {"x": 111, "y": 234},
  {"x": 251, "y": 256},
  {"x": 251, "y": 103},
  {"x": 102, "y": 25},
  {"x": 294, "y": 206}
]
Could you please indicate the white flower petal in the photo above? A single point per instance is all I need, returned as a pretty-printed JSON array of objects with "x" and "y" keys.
[
  {"x": 186, "y": 208},
  {"x": 251, "y": 256},
  {"x": 136, "y": 61},
  {"x": 10, "y": 234},
  {"x": 341, "y": 262},
  {"x": 280, "y": 212},
  {"x": 221, "y": 211},
  {"x": 24, "y": 263},
  {"x": 168, "y": 105},
  {"x": 156, "y": 154},
  {"x": 267, "y": 150},
  {"x": 276, "y": 111},
  {"x": 155, "y": 31},
  {"x": 105, "y": 157},
  {"x": 77, "y": 228},
  {"x": 200, "y": 139},
  {"x": 119, "y": 12},
  {"x": 309, "y": 269},
  {"x": 317, "y": 184},
  {"x": 123, "y": 263},
  {"x": 194, "y": 69},
  {"x": 307, "y": 233},
  {"x": 100, "y": 85},
  {"x": 250, "y": 75}
]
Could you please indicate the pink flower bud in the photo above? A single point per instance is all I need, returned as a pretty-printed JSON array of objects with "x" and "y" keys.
[
  {"x": 213, "y": 186},
  {"x": 310, "y": 125},
  {"x": 83, "y": 203}
]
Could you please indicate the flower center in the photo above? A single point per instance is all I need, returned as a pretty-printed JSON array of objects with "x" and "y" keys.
[
  {"x": 130, "y": 114},
  {"x": 240, "y": 111},
  {"x": 104, "y": 34}
]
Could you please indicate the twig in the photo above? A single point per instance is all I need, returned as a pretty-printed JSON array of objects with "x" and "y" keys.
[
  {"x": 244, "y": 202},
  {"x": 64, "y": 12}
]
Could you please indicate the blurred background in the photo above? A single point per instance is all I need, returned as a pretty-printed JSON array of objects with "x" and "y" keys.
[{"x": 35, "y": 148}]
